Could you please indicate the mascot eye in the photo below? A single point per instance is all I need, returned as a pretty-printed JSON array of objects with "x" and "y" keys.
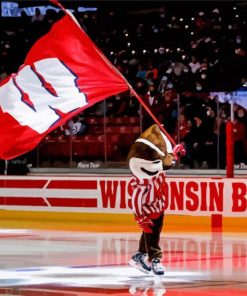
[{"x": 156, "y": 161}]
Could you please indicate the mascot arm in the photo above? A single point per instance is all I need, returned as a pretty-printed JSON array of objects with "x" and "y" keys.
[
  {"x": 141, "y": 217},
  {"x": 138, "y": 196}
]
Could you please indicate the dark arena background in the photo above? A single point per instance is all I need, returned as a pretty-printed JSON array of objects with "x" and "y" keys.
[{"x": 66, "y": 221}]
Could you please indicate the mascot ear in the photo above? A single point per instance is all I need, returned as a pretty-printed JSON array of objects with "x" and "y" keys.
[
  {"x": 155, "y": 130},
  {"x": 152, "y": 134}
]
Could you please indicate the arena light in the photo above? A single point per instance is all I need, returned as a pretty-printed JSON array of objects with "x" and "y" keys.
[
  {"x": 128, "y": 44},
  {"x": 181, "y": 19},
  {"x": 191, "y": 33},
  {"x": 126, "y": 35},
  {"x": 133, "y": 52},
  {"x": 170, "y": 85},
  {"x": 186, "y": 26},
  {"x": 161, "y": 50},
  {"x": 156, "y": 50},
  {"x": 12, "y": 9},
  {"x": 192, "y": 18},
  {"x": 86, "y": 9},
  {"x": 234, "y": 7},
  {"x": 144, "y": 51}
]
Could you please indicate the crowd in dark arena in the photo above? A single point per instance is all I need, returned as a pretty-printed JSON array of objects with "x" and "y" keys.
[{"x": 176, "y": 55}]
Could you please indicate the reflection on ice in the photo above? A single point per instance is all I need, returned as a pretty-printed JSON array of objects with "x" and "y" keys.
[
  {"x": 73, "y": 263},
  {"x": 157, "y": 288},
  {"x": 109, "y": 277}
]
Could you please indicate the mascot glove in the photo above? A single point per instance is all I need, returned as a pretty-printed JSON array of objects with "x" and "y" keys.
[
  {"x": 178, "y": 151},
  {"x": 145, "y": 223}
]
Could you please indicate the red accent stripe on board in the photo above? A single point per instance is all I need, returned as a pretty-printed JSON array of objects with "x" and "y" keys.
[
  {"x": 22, "y": 201},
  {"x": 216, "y": 223},
  {"x": 73, "y": 202},
  {"x": 72, "y": 184},
  {"x": 22, "y": 183}
]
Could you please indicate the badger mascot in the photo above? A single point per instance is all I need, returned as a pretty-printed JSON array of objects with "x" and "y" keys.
[{"x": 149, "y": 156}]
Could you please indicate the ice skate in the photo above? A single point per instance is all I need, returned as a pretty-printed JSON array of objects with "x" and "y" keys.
[
  {"x": 157, "y": 267},
  {"x": 138, "y": 261}
]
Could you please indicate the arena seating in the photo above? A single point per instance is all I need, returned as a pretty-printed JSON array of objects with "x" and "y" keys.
[{"x": 120, "y": 134}]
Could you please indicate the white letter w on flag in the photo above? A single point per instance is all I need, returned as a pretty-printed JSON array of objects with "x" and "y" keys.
[{"x": 34, "y": 105}]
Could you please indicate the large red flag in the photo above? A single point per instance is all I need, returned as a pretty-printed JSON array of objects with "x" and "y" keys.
[{"x": 63, "y": 74}]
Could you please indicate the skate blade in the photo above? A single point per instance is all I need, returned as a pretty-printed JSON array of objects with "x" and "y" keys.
[
  {"x": 137, "y": 266},
  {"x": 159, "y": 273},
  {"x": 158, "y": 279}
]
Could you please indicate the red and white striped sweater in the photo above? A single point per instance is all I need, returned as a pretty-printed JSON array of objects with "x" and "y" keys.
[{"x": 148, "y": 197}]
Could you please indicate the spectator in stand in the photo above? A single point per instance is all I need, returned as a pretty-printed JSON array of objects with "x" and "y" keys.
[
  {"x": 224, "y": 116},
  {"x": 168, "y": 110},
  {"x": 194, "y": 64},
  {"x": 116, "y": 105},
  {"x": 239, "y": 133},
  {"x": 182, "y": 129},
  {"x": 133, "y": 107},
  {"x": 151, "y": 73},
  {"x": 211, "y": 117},
  {"x": 38, "y": 16},
  {"x": 241, "y": 114},
  {"x": 195, "y": 140},
  {"x": 209, "y": 150},
  {"x": 141, "y": 73},
  {"x": 242, "y": 117}
]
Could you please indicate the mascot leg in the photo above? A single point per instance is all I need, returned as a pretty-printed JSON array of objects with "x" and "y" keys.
[
  {"x": 149, "y": 253},
  {"x": 149, "y": 244}
]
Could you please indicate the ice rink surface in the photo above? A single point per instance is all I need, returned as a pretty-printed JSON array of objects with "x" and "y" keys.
[{"x": 58, "y": 263}]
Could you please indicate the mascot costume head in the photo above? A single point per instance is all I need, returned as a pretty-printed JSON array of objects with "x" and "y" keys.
[{"x": 150, "y": 154}]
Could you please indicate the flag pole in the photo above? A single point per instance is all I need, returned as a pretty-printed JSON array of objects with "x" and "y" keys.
[
  {"x": 230, "y": 144},
  {"x": 6, "y": 168},
  {"x": 151, "y": 114}
]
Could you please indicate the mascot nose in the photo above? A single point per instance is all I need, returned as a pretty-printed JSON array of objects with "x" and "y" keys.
[{"x": 168, "y": 161}]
